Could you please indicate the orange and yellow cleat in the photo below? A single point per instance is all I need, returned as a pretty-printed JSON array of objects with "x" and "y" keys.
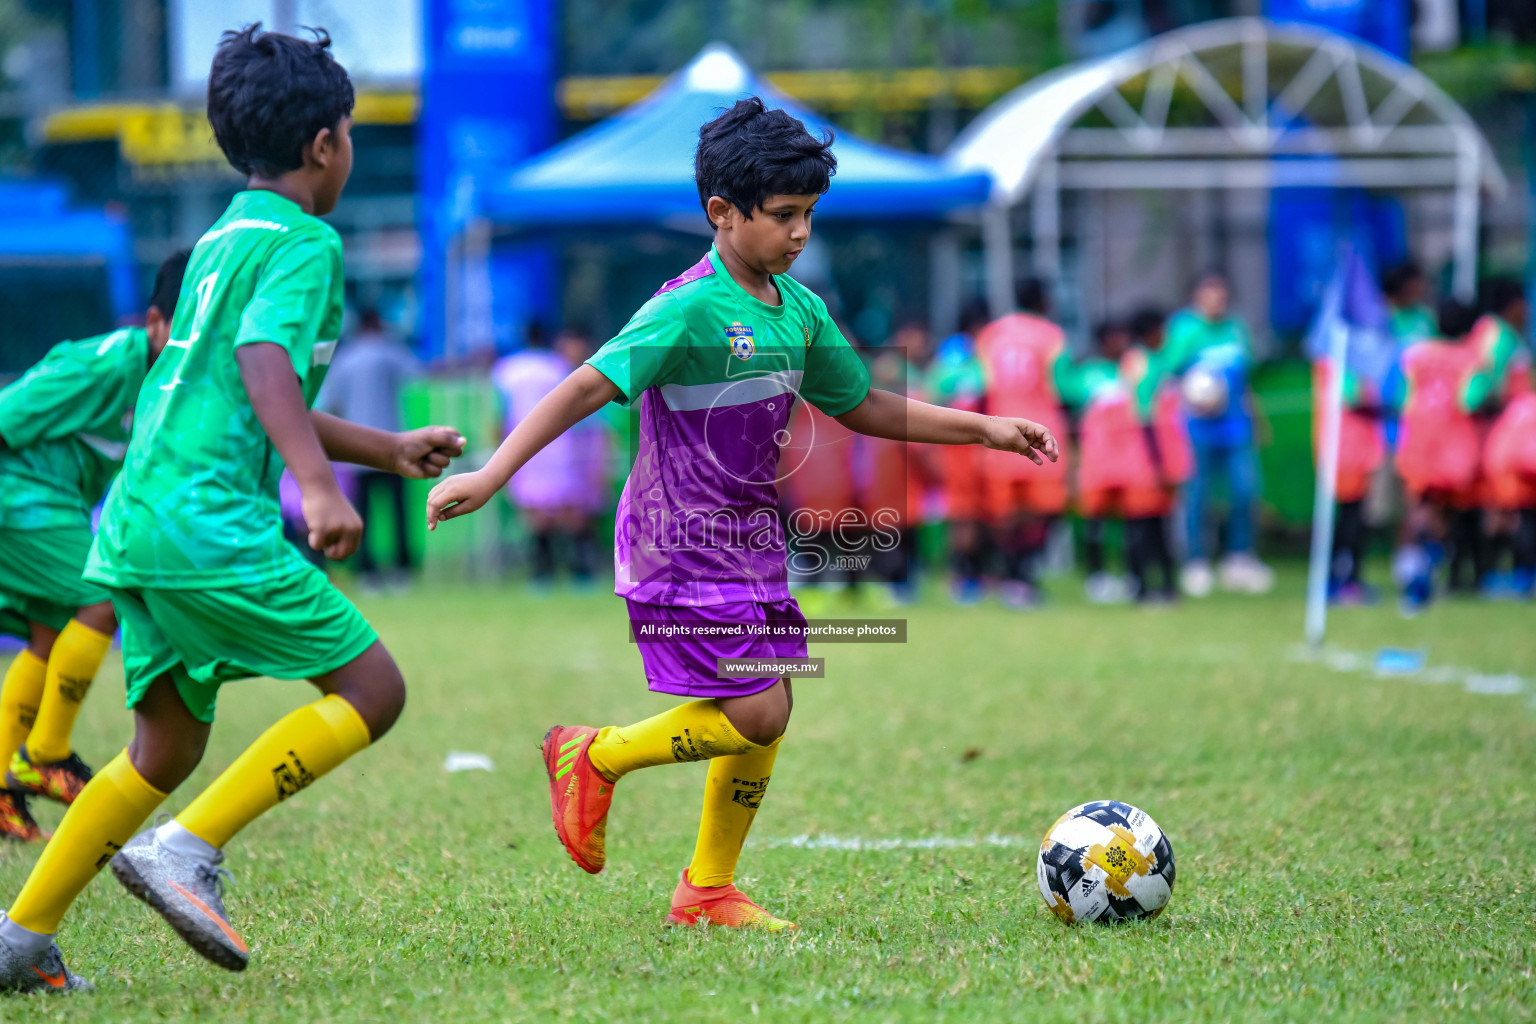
[
  {"x": 723, "y": 905},
  {"x": 56, "y": 780},
  {"x": 16, "y": 820},
  {"x": 579, "y": 795}
]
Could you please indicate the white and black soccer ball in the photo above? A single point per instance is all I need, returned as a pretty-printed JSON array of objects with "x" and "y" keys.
[
  {"x": 1205, "y": 392},
  {"x": 1105, "y": 861}
]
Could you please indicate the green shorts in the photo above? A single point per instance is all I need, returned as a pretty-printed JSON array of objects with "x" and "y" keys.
[
  {"x": 40, "y": 577},
  {"x": 296, "y": 627}
]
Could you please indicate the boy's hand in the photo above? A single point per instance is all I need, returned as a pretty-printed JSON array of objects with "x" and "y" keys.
[
  {"x": 424, "y": 453},
  {"x": 1026, "y": 437},
  {"x": 459, "y": 495},
  {"x": 334, "y": 525}
]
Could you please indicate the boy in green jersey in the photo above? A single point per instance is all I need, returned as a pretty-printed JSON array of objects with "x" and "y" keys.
[
  {"x": 191, "y": 546},
  {"x": 63, "y": 432},
  {"x": 1410, "y": 317}
]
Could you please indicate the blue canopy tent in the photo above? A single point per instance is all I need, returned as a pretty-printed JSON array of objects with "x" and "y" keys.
[
  {"x": 39, "y": 225},
  {"x": 637, "y": 166},
  {"x": 63, "y": 272},
  {"x": 634, "y": 172}
]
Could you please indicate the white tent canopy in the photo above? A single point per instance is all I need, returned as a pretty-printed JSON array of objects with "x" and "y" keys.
[{"x": 1240, "y": 103}]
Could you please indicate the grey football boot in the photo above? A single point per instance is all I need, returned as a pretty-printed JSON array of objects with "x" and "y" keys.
[
  {"x": 187, "y": 891},
  {"x": 43, "y": 971}
]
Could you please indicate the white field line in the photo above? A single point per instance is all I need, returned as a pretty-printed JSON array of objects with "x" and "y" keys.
[
  {"x": 862, "y": 844},
  {"x": 1501, "y": 685}
]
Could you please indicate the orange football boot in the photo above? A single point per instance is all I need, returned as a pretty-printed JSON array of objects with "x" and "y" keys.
[
  {"x": 579, "y": 795},
  {"x": 723, "y": 905},
  {"x": 16, "y": 820},
  {"x": 57, "y": 780}
]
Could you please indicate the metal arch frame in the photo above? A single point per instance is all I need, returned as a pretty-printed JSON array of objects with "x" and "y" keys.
[{"x": 1255, "y": 143}]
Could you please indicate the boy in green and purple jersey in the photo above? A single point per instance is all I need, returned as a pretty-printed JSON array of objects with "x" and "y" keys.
[
  {"x": 64, "y": 429},
  {"x": 191, "y": 547},
  {"x": 716, "y": 359}
]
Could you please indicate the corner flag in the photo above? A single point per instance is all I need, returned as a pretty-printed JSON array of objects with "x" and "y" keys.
[{"x": 1350, "y": 335}]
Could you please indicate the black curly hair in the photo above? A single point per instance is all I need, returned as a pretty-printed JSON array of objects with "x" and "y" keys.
[
  {"x": 1454, "y": 319},
  {"x": 1496, "y": 294},
  {"x": 270, "y": 94},
  {"x": 1399, "y": 277},
  {"x": 168, "y": 282},
  {"x": 750, "y": 153}
]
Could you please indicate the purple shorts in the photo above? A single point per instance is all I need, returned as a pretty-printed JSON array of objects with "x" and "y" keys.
[{"x": 684, "y": 663}]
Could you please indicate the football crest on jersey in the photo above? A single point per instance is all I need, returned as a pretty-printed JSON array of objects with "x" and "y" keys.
[{"x": 740, "y": 338}]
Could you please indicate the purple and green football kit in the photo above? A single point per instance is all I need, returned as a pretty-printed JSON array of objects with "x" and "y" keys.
[{"x": 699, "y": 547}]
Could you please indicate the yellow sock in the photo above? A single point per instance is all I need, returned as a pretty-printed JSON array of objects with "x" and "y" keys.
[
  {"x": 689, "y": 732},
  {"x": 76, "y": 656},
  {"x": 732, "y": 794},
  {"x": 19, "y": 697},
  {"x": 286, "y": 758},
  {"x": 103, "y": 817}
]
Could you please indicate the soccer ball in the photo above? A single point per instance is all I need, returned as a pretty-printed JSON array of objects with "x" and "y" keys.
[
  {"x": 1205, "y": 392},
  {"x": 1105, "y": 861}
]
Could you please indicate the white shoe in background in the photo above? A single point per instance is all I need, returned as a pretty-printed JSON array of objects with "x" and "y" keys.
[
  {"x": 1105, "y": 588},
  {"x": 1245, "y": 574},
  {"x": 1196, "y": 578}
]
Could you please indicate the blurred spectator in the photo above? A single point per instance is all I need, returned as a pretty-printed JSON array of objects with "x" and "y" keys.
[
  {"x": 1210, "y": 350},
  {"x": 1167, "y": 435},
  {"x": 957, "y": 379},
  {"x": 1120, "y": 475},
  {"x": 1438, "y": 458},
  {"x": 1027, "y": 367},
  {"x": 1410, "y": 317},
  {"x": 363, "y": 386},
  {"x": 893, "y": 476},
  {"x": 564, "y": 486},
  {"x": 1498, "y": 393},
  {"x": 1362, "y": 451}
]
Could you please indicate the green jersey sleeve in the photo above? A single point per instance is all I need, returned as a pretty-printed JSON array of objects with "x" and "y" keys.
[
  {"x": 1068, "y": 378},
  {"x": 1154, "y": 373},
  {"x": 1496, "y": 345},
  {"x": 293, "y": 302},
  {"x": 648, "y": 352},
  {"x": 76, "y": 386},
  {"x": 1354, "y": 390},
  {"x": 1181, "y": 342},
  {"x": 836, "y": 379}
]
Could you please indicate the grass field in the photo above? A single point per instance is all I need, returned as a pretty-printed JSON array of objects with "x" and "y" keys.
[{"x": 1348, "y": 847}]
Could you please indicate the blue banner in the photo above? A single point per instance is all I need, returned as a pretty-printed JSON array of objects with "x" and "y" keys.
[
  {"x": 1308, "y": 226},
  {"x": 1307, "y": 229},
  {"x": 1382, "y": 23},
  {"x": 488, "y": 102}
]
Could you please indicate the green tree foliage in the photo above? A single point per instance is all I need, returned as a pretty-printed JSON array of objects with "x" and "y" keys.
[{"x": 653, "y": 36}]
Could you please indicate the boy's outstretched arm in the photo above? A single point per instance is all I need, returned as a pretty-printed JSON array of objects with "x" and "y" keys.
[
  {"x": 574, "y": 399},
  {"x": 889, "y": 415},
  {"x": 419, "y": 454},
  {"x": 267, "y": 373}
]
